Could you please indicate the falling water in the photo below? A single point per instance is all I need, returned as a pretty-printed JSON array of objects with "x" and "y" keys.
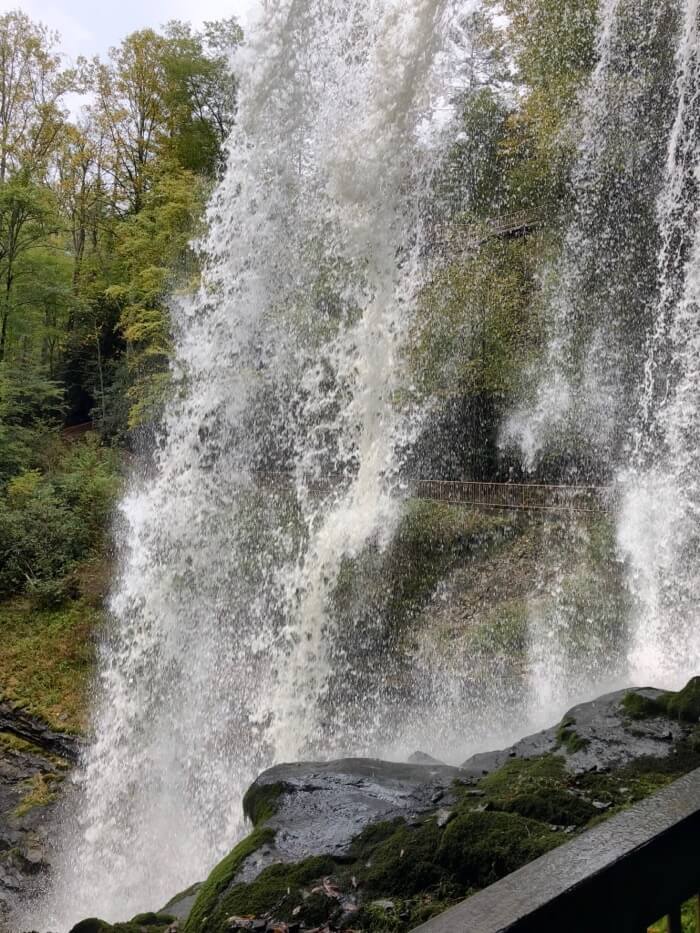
[
  {"x": 660, "y": 512},
  {"x": 620, "y": 385},
  {"x": 280, "y": 454},
  {"x": 599, "y": 292}
]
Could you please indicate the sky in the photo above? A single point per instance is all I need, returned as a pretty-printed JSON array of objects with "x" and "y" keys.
[{"x": 90, "y": 27}]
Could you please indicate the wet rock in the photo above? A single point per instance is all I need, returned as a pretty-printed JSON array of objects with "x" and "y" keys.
[
  {"x": 321, "y": 808},
  {"x": 423, "y": 758},
  {"x": 14, "y": 721},
  {"x": 31, "y": 773},
  {"x": 596, "y": 736},
  {"x": 181, "y": 905}
]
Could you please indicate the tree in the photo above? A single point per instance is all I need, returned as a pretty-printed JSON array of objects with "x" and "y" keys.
[
  {"x": 32, "y": 86},
  {"x": 201, "y": 93},
  {"x": 27, "y": 218}
]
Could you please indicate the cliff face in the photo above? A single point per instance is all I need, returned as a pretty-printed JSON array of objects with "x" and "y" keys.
[
  {"x": 360, "y": 844},
  {"x": 34, "y": 761}
]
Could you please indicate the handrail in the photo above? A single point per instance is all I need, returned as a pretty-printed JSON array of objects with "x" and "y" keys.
[
  {"x": 537, "y": 497},
  {"x": 619, "y": 877},
  {"x": 473, "y": 235},
  {"x": 520, "y": 496}
]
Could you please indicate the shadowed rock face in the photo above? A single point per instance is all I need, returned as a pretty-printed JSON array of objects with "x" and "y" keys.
[
  {"x": 18, "y": 723},
  {"x": 33, "y": 763}
]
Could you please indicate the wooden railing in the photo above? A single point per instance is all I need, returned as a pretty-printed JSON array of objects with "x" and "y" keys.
[{"x": 619, "y": 877}]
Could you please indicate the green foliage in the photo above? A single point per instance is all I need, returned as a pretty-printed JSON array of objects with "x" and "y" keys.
[
  {"x": 47, "y": 660},
  {"x": 478, "y": 329},
  {"x": 50, "y": 521}
]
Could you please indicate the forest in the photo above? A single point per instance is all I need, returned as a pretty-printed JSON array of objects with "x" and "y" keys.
[{"x": 105, "y": 170}]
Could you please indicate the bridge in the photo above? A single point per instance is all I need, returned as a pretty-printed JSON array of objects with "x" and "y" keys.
[
  {"x": 465, "y": 238},
  {"x": 527, "y": 497}
]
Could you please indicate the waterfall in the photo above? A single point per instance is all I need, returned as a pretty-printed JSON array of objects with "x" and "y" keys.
[
  {"x": 659, "y": 530},
  {"x": 620, "y": 384},
  {"x": 221, "y": 660},
  {"x": 281, "y": 455},
  {"x": 600, "y": 290}
]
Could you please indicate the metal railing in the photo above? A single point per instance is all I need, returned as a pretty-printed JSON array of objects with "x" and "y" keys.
[
  {"x": 542, "y": 497},
  {"x": 523, "y": 496},
  {"x": 619, "y": 877},
  {"x": 466, "y": 237}
]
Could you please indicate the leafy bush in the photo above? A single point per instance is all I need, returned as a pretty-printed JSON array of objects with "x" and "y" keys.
[{"x": 50, "y": 521}]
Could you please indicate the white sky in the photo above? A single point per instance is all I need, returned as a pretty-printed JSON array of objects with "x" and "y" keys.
[{"x": 90, "y": 27}]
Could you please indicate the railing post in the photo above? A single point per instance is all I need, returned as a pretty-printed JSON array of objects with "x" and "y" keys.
[{"x": 674, "y": 921}]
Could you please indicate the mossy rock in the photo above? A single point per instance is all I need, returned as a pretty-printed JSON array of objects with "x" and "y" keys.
[
  {"x": 261, "y": 801},
  {"x": 279, "y": 888},
  {"x": 569, "y": 738},
  {"x": 521, "y": 775},
  {"x": 395, "y": 859},
  {"x": 206, "y": 906},
  {"x": 637, "y": 706},
  {"x": 152, "y": 920},
  {"x": 91, "y": 925},
  {"x": 479, "y": 848},
  {"x": 554, "y": 807},
  {"x": 141, "y": 923},
  {"x": 685, "y": 705}
]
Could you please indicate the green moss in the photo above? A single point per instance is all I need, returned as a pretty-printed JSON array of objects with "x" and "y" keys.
[
  {"x": 558, "y": 807},
  {"x": 220, "y": 878},
  {"x": 402, "y": 863},
  {"x": 279, "y": 888},
  {"x": 685, "y": 705},
  {"x": 261, "y": 801},
  {"x": 39, "y": 794},
  {"x": 521, "y": 775},
  {"x": 504, "y": 630},
  {"x": 152, "y": 920},
  {"x": 479, "y": 848},
  {"x": 142, "y": 923},
  {"x": 637, "y": 706},
  {"x": 91, "y": 925},
  {"x": 432, "y": 538},
  {"x": 569, "y": 738}
]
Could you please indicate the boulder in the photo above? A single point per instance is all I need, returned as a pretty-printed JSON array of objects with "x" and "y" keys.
[
  {"x": 367, "y": 845},
  {"x": 601, "y": 735},
  {"x": 319, "y": 808}
]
